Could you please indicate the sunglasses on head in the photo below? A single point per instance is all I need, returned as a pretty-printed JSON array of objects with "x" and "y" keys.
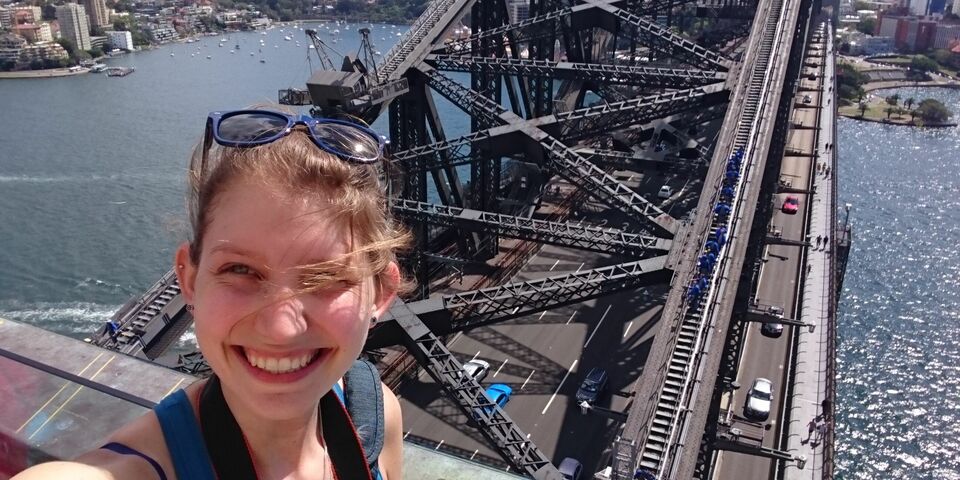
[{"x": 248, "y": 128}]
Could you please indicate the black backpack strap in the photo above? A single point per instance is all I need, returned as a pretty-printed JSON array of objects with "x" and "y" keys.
[
  {"x": 343, "y": 444},
  {"x": 363, "y": 395},
  {"x": 224, "y": 439}
]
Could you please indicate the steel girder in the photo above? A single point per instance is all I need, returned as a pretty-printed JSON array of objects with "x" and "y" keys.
[
  {"x": 492, "y": 421},
  {"x": 605, "y": 118},
  {"x": 630, "y": 161},
  {"x": 593, "y": 72},
  {"x": 584, "y": 174},
  {"x": 662, "y": 39},
  {"x": 479, "y": 107},
  {"x": 468, "y": 310},
  {"x": 578, "y": 123},
  {"x": 585, "y": 16},
  {"x": 603, "y": 240}
]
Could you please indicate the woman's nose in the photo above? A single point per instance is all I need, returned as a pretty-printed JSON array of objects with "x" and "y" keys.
[{"x": 282, "y": 319}]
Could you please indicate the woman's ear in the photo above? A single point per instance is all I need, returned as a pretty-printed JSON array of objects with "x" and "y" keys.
[
  {"x": 386, "y": 290},
  {"x": 186, "y": 272}
]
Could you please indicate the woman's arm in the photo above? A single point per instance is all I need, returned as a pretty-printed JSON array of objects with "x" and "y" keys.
[
  {"x": 391, "y": 457},
  {"x": 55, "y": 470}
]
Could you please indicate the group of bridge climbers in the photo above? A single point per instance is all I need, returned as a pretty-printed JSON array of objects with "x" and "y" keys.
[{"x": 721, "y": 213}]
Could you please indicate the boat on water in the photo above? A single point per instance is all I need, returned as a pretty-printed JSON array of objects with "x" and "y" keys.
[
  {"x": 98, "y": 67},
  {"x": 263, "y": 60},
  {"x": 287, "y": 38},
  {"x": 119, "y": 71}
]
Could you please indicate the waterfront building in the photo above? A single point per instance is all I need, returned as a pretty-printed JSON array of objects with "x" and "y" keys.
[
  {"x": 34, "y": 32},
  {"x": 6, "y": 17},
  {"x": 947, "y": 36},
  {"x": 162, "y": 33},
  {"x": 121, "y": 40},
  {"x": 956, "y": 7},
  {"x": 73, "y": 25},
  {"x": 43, "y": 51},
  {"x": 102, "y": 42},
  {"x": 10, "y": 46},
  {"x": 97, "y": 12}
]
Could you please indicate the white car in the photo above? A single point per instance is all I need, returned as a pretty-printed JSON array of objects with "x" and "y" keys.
[
  {"x": 665, "y": 192},
  {"x": 759, "y": 399},
  {"x": 477, "y": 369}
]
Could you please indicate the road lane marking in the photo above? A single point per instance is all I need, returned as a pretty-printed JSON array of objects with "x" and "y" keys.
[
  {"x": 625, "y": 332},
  {"x": 475, "y": 355},
  {"x": 581, "y": 266},
  {"x": 474, "y": 453},
  {"x": 174, "y": 387},
  {"x": 571, "y": 317},
  {"x": 438, "y": 445},
  {"x": 527, "y": 380},
  {"x": 598, "y": 326},
  {"x": 515, "y": 310},
  {"x": 554, "y": 265},
  {"x": 574, "y": 365},
  {"x": 55, "y": 395},
  {"x": 64, "y": 404},
  {"x": 542, "y": 314},
  {"x": 405, "y": 435},
  {"x": 501, "y": 367}
]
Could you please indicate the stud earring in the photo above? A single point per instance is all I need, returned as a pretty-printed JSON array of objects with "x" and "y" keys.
[
  {"x": 180, "y": 266},
  {"x": 373, "y": 320}
]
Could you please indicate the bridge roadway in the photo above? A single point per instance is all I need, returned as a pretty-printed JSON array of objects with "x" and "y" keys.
[
  {"x": 544, "y": 356},
  {"x": 779, "y": 280}
]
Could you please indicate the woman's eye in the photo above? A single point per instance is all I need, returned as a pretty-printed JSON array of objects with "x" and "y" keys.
[{"x": 238, "y": 269}]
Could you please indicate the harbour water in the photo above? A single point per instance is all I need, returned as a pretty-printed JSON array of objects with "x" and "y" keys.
[{"x": 91, "y": 184}]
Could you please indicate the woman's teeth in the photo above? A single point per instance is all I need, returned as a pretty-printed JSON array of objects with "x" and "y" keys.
[{"x": 281, "y": 365}]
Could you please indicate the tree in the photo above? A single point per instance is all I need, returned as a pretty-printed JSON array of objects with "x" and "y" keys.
[
  {"x": 867, "y": 25},
  {"x": 863, "y": 109},
  {"x": 932, "y": 110},
  {"x": 909, "y": 102},
  {"x": 48, "y": 12},
  {"x": 893, "y": 99},
  {"x": 96, "y": 31},
  {"x": 922, "y": 64}
]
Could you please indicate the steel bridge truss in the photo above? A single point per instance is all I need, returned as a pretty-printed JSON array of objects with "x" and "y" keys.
[{"x": 548, "y": 128}]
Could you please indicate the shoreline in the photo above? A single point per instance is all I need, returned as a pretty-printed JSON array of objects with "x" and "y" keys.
[
  {"x": 48, "y": 73},
  {"x": 884, "y": 121}
]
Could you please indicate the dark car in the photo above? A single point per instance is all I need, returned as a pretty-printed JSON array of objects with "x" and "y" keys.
[
  {"x": 592, "y": 386},
  {"x": 772, "y": 330},
  {"x": 570, "y": 469}
]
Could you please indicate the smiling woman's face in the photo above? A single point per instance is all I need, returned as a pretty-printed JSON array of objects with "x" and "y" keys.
[{"x": 276, "y": 348}]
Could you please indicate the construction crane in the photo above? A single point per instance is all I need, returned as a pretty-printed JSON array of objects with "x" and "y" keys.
[{"x": 352, "y": 90}]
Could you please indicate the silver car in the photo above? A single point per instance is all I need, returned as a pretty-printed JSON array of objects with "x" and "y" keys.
[
  {"x": 477, "y": 369},
  {"x": 759, "y": 399}
]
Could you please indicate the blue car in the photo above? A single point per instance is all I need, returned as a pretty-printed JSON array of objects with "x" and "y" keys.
[{"x": 497, "y": 393}]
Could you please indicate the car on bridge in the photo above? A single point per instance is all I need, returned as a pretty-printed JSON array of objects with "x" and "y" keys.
[
  {"x": 665, "y": 192},
  {"x": 477, "y": 369},
  {"x": 593, "y": 385},
  {"x": 807, "y": 99},
  {"x": 759, "y": 399},
  {"x": 791, "y": 205},
  {"x": 570, "y": 469},
  {"x": 498, "y": 393},
  {"x": 773, "y": 329}
]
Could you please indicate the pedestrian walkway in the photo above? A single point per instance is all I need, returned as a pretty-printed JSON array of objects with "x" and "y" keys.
[{"x": 808, "y": 426}]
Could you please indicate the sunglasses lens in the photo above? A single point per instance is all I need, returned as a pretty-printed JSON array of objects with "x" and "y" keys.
[
  {"x": 347, "y": 141},
  {"x": 251, "y": 127}
]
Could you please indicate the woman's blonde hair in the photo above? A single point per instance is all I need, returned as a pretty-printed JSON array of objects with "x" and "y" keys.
[{"x": 353, "y": 193}]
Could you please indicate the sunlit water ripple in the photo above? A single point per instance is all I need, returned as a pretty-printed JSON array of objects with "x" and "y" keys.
[{"x": 899, "y": 340}]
